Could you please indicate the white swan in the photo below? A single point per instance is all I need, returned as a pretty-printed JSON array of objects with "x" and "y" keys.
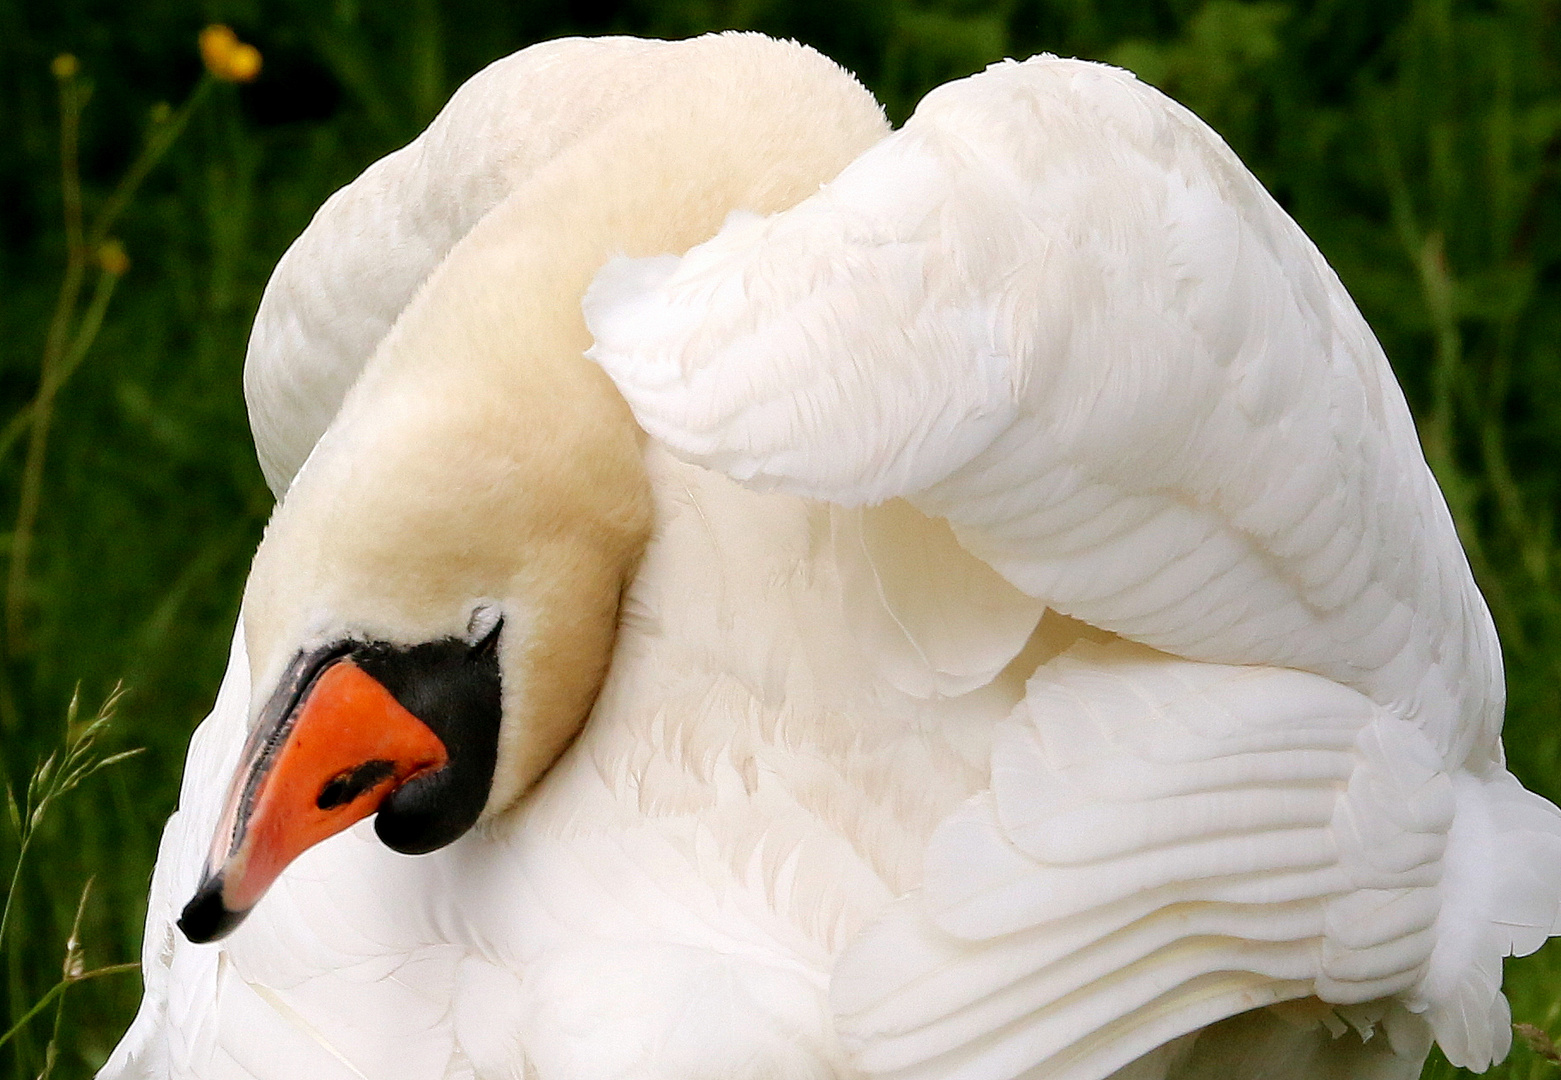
[{"x": 1042, "y": 649}]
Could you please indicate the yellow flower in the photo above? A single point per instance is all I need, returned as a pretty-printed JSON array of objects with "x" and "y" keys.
[
  {"x": 244, "y": 63},
  {"x": 64, "y": 66},
  {"x": 226, "y": 57},
  {"x": 112, "y": 259}
]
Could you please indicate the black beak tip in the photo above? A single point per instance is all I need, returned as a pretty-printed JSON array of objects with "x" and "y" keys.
[{"x": 206, "y": 918}]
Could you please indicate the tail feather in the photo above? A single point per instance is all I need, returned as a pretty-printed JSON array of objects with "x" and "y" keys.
[{"x": 1501, "y": 896}]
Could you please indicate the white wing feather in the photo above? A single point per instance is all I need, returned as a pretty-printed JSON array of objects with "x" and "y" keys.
[
  {"x": 1055, "y": 309},
  {"x": 1165, "y": 843}
]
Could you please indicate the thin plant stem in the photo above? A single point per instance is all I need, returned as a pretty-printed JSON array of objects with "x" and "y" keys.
[
  {"x": 22, "y": 821},
  {"x": 59, "y": 988},
  {"x": 71, "y": 98},
  {"x": 16, "y": 875},
  {"x": 57, "y": 369},
  {"x": 64, "y": 351},
  {"x": 72, "y": 969},
  {"x": 158, "y": 141},
  {"x": 56, "y": 777},
  {"x": 16, "y": 427},
  {"x": 91, "y": 322}
]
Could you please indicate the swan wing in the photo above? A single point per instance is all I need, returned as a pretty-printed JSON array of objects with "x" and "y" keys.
[
  {"x": 1055, "y": 309},
  {"x": 341, "y": 285},
  {"x": 1167, "y": 843}
]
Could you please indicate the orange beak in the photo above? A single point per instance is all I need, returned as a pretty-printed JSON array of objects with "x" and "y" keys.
[{"x": 312, "y": 772}]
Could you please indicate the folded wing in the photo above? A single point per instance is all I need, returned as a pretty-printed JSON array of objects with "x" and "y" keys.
[
  {"x": 1055, "y": 309},
  {"x": 1168, "y": 843}
]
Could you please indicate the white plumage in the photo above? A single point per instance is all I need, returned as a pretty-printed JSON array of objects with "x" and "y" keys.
[{"x": 1082, "y": 657}]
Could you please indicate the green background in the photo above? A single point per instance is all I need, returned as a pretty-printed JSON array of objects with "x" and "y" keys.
[{"x": 1417, "y": 141}]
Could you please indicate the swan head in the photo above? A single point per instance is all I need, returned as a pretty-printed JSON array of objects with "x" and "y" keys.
[
  {"x": 429, "y": 616},
  {"x": 431, "y": 613}
]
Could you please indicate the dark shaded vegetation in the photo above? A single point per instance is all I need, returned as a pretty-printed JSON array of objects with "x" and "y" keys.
[{"x": 1417, "y": 141}]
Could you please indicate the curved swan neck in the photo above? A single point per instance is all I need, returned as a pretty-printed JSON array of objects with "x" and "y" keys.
[{"x": 480, "y": 455}]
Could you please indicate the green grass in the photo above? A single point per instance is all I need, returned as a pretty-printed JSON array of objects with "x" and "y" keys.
[{"x": 1417, "y": 141}]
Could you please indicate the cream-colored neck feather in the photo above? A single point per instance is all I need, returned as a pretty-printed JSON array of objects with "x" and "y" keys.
[{"x": 480, "y": 458}]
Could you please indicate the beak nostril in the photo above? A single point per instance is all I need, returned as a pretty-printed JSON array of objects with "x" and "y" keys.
[{"x": 348, "y": 784}]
